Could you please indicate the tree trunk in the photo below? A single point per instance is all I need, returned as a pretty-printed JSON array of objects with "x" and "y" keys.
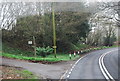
[{"x": 34, "y": 43}]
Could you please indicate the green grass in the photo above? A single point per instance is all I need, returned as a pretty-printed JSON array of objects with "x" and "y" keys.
[
  {"x": 17, "y": 73},
  {"x": 25, "y": 55},
  {"x": 19, "y": 54},
  {"x": 64, "y": 57},
  {"x": 26, "y": 74},
  {"x": 16, "y": 51},
  {"x": 50, "y": 58}
]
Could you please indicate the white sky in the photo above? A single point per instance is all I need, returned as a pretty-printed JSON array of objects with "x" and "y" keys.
[{"x": 58, "y": 0}]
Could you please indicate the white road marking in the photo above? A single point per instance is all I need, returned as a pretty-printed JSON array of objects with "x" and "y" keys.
[
  {"x": 74, "y": 66},
  {"x": 103, "y": 68},
  {"x": 63, "y": 75}
]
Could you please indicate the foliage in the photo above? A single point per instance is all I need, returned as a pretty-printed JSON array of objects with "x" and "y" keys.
[
  {"x": 70, "y": 28},
  {"x": 82, "y": 46},
  {"x": 50, "y": 58},
  {"x": 7, "y": 48},
  {"x": 44, "y": 51},
  {"x": 89, "y": 48},
  {"x": 109, "y": 41}
]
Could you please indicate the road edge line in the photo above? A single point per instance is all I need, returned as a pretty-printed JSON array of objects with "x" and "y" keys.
[
  {"x": 70, "y": 71},
  {"x": 103, "y": 68}
]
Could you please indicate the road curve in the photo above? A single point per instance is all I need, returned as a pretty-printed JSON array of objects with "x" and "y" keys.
[
  {"x": 88, "y": 67},
  {"x": 111, "y": 63}
]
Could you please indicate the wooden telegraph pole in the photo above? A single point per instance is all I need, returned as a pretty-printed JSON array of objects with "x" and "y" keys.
[{"x": 54, "y": 30}]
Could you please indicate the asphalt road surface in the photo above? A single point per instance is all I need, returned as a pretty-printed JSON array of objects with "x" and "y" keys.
[
  {"x": 88, "y": 67},
  {"x": 51, "y": 71},
  {"x": 111, "y": 63}
]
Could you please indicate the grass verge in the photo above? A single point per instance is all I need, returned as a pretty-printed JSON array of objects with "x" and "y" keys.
[
  {"x": 9, "y": 72},
  {"x": 50, "y": 58},
  {"x": 18, "y": 54}
]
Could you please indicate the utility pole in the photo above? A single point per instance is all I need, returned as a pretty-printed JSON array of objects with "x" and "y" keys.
[{"x": 54, "y": 30}]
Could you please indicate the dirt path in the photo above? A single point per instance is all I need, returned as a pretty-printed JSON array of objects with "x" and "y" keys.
[{"x": 52, "y": 71}]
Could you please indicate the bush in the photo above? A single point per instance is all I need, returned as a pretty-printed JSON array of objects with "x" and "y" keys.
[
  {"x": 82, "y": 46},
  {"x": 44, "y": 51}
]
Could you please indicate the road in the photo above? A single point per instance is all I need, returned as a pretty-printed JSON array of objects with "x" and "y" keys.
[
  {"x": 88, "y": 67},
  {"x": 51, "y": 71},
  {"x": 111, "y": 63}
]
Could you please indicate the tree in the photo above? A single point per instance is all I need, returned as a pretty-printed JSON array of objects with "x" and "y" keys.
[
  {"x": 72, "y": 27},
  {"x": 34, "y": 19},
  {"x": 114, "y": 6},
  {"x": 104, "y": 28}
]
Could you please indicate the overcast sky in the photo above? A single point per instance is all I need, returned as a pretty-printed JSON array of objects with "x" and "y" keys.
[{"x": 58, "y": 0}]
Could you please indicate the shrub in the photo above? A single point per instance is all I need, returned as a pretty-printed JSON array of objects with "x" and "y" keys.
[
  {"x": 49, "y": 50},
  {"x": 44, "y": 51}
]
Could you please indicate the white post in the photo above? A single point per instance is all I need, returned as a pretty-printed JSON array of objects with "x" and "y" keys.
[
  {"x": 70, "y": 56},
  {"x": 74, "y": 54}
]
